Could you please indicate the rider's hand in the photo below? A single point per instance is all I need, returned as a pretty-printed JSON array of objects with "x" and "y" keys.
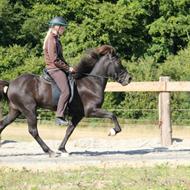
[{"x": 72, "y": 70}]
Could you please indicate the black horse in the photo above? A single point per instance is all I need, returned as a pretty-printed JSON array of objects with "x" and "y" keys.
[{"x": 28, "y": 92}]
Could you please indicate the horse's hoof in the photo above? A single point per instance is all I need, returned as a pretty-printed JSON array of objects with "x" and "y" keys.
[
  {"x": 52, "y": 154},
  {"x": 57, "y": 154},
  {"x": 112, "y": 132},
  {"x": 63, "y": 153}
]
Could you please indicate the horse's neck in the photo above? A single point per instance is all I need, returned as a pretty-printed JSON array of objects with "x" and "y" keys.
[
  {"x": 97, "y": 78},
  {"x": 100, "y": 75},
  {"x": 99, "y": 69},
  {"x": 93, "y": 83}
]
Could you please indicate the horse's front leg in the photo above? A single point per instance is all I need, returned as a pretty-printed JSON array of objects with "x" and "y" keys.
[
  {"x": 100, "y": 113},
  {"x": 74, "y": 121}
]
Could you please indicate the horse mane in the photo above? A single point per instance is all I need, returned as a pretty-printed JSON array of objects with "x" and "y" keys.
[{"x": 90, "y": 58}]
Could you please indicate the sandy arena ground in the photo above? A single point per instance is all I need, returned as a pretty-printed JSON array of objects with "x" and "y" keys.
[{"x": 90, "y": 147}]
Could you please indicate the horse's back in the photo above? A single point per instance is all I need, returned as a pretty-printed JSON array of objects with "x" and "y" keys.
[
  {"x": 23, "y": 82},
  {"x": 29, "y": 88},
  {"x": 24, "y": 77}
]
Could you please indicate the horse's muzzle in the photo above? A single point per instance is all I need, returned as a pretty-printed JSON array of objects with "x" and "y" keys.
[{"x": 126, "y": 80}]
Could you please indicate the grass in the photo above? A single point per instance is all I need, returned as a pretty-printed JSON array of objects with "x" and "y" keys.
[{"x": 160, "y": 177}]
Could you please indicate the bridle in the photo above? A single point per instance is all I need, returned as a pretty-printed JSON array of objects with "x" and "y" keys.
[{"x": 116, "y": 78}]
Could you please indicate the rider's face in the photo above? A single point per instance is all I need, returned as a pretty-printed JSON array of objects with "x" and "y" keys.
[{"x": 60, "y": 29}]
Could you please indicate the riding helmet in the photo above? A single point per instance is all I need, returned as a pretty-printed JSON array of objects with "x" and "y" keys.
[{"x": 58, "y": 21}]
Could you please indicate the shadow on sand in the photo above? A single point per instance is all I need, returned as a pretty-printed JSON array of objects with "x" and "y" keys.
[{"x": 128, "y": 152}]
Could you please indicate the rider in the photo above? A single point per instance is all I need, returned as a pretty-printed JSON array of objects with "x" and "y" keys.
[{"x": 56, "y": 65}]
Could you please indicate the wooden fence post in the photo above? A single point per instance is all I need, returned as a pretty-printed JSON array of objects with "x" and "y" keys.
[{"x": 165, "y": 115}]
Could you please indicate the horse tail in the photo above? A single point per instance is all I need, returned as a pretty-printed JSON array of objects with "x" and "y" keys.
[{"x": 4, "y": 85}]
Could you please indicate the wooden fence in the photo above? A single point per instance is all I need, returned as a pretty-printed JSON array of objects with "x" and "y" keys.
[{"x": 164, "y": 86}]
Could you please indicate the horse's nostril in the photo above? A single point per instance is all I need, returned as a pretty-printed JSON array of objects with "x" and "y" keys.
[{"x": 130, "y": 78}]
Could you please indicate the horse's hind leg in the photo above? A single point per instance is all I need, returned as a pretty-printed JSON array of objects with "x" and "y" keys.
[
  {"x": 32, "y": 128},
  {"x": 75, "y": 120},
  {"x": 12, "y": 115}
]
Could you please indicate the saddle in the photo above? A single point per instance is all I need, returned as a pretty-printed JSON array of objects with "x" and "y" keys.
[{"x": 55, "y": 89}]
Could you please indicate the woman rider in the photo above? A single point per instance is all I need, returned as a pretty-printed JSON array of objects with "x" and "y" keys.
[{"x": 56, "y": 65}]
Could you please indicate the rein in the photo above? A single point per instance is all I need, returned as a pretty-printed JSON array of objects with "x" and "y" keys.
[{"x": 91, "y": 75}]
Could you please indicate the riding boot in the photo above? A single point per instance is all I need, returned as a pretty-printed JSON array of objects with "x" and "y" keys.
[{"x": 61, "y": 121}]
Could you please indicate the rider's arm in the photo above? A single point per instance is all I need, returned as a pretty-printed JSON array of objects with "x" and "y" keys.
[{"x": 52, "y": 52}]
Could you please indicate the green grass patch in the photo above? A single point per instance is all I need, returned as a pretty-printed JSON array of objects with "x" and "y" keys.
[{"x": 160, "y": 177}]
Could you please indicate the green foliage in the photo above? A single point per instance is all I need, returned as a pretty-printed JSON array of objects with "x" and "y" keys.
[
  {"x": 170, "y": 32},
  {"x": 135, "y": 28},
  {"x": 12, "y": 17},
  {"x": 17, "y": 60},
  {"x": 177, "y": 67}
]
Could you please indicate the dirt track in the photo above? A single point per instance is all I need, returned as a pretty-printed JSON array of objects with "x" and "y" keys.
[{"x": 95, "y": 152}]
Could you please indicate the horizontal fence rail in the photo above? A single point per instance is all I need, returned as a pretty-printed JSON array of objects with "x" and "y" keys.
[{"x": 154, "y": 86}]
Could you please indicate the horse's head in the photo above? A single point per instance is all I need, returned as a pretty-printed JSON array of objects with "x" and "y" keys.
[
  {"x": 113, "y": 66},
  {"x": 105, "y": 62}
]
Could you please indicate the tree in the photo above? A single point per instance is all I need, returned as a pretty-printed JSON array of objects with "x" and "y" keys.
[
  {"x": 170, "y": 32},
  {"x": 12, "y": 17}
]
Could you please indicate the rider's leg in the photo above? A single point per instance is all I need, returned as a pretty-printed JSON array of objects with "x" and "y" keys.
[{"x": 62, "y": 82}]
